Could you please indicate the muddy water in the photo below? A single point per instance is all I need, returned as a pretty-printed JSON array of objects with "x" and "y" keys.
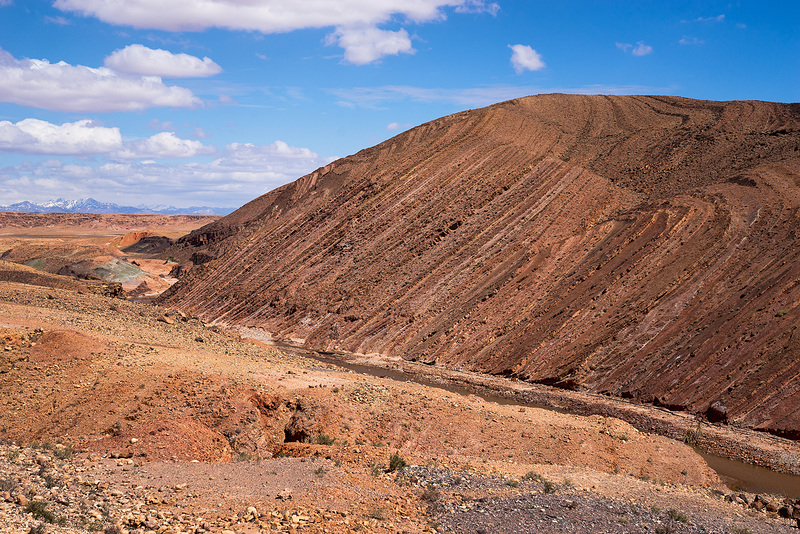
[
  {"x": 752, "y": 478},
  {"x": 737, "y": 476}
]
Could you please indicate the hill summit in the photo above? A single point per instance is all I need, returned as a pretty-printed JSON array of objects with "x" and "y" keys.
[{"x": 637, "y": 246}]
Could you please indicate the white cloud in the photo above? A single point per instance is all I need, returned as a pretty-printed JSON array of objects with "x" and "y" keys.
[
  {"x": 33, "y": 136},
  {"x": 523, "y": 58},
  {"x": 356, "y": 22},
  {"x": 376, "y": 97},
  {"x": 367, "y": 44},
  {"x": 478, "y": 6},
  {"x": 690, "y": 41},
  {"x": 61, "y": 21},
  {"x": 718, "y": 18},
  {"x": 640, "y": 49},
  {"x": 163, "y": 145},
  {"x": 139, "y": 59},
  {"x": 241, "y": 172},
  {"x": 63, "y": 87}
]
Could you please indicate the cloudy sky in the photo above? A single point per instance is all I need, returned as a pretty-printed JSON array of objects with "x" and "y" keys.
[{"x": 215, "y": 102}]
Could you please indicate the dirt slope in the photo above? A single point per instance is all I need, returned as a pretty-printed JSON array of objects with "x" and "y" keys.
[{"x": 643, "y": 247}]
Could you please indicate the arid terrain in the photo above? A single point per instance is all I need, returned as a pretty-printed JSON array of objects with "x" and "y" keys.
[
  {"x": 639, "y": 247},
  {"x": 533, "y": 317},
  {"x": 129, "y": 415}
]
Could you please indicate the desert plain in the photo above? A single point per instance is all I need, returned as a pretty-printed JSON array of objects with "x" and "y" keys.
[{"x": 119, "y": 415}]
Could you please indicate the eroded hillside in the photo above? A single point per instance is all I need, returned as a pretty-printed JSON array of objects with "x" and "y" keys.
[{"x": 642, "y": 247}]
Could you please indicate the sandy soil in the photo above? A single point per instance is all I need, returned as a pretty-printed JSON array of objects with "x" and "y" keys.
[{"x": 158, "y": 401}]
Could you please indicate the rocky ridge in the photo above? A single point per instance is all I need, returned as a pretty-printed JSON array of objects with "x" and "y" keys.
[{"x": 639, "y": 247}]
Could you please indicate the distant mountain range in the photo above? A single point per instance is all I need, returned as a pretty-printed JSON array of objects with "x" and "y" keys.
[{"x": 90, "y": 205}]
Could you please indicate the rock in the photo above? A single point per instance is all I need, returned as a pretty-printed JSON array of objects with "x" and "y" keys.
[
  {"x": 166, "y": 319},
  {"x": 285, "y": 495},
  {"x": 22, "y": 500},
  {"x": 251, "y": 514}
]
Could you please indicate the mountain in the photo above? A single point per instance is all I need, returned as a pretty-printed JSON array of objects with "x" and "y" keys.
[
  {"x": 90, "y": 205},
  {"x": 641, "y": 247}
]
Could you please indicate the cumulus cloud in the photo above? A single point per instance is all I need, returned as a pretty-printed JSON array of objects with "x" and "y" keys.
[
  {"x": 33, "y": 136},
  {"x": 523, "y": 58},
  {"x": 356, "y": 22},
  {"x": 63, "y": 87},
  {"x": 163, "y": 145},
  {"x": 139, "y": 59},
  {"x": 367, "y": 44},
  {"x": 640, "y": 49}
]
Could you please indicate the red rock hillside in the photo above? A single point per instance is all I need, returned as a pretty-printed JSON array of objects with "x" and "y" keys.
[{"x": 643, "y": 247}]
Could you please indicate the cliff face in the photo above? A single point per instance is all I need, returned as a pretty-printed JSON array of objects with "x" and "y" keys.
[{"x": 643, "y": 247}]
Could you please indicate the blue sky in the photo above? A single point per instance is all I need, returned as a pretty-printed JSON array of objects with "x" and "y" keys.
[{"x": 215, "y": 102}]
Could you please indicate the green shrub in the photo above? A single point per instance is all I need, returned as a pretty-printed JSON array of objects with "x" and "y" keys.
[
  {"x": 549, "y": 487},
  {"x": 396, "y": 462},
  {"x": 324, "y": 439},
  {"x": 675, "y": 515},
  {"x": 38, "y": 509}
]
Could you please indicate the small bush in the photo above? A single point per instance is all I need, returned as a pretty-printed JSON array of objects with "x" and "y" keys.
[
  {"x": 396, "y": 462},
  {"x": 64, "y": 453},
  {"x": 324, "y": 439},
  {"x": 431, "y": 495},
  {"x": 243, "y": 456},
  {"x": 549, "y": 487},
  {"x": 741, "y": 530},
  {"x": 113, "y": 529},
  {"x": 38, "y": 509},
  {"x": 320, "y": 471},
  {"x": 375, "y": 470},
  {"x": 512, "y": 482},
  {"x": 37, "y": 529},
  {"x": 7, "y": 484},
  {"x": 378, "y": 513},
  {"x": 675, "y": 515},
  {"x": 531, "y": 476}
]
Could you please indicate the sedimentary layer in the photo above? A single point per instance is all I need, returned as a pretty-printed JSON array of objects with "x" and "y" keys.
[{"x": 643, "y": 247}]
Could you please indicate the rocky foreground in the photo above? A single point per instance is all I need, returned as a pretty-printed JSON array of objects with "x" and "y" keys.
[{"x": 119, "y": 416}]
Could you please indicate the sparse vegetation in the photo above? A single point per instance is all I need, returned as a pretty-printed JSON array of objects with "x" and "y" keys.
[
  {"x": 320, "y": 472},
  {"x": 378, "y": 513},
  {"x": 512, "y": 482},
  {"x": 64, "y": 452},
  {"x": 676, "y": 515},
  {"x": 693, "y": 435},
  {"x": 549, "y": 487},
  {"x": 38, "y": 509},
  {"x": 324, "y": 439},
  {"x": 243, "y": 456},
  {"x": 740, "y": 530},
  {"x": 431, "y": 495},
  {"x": 532, "y": 476},
  {"x": 7, "y": 484},
  {"x": 396, "y": 462}
]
